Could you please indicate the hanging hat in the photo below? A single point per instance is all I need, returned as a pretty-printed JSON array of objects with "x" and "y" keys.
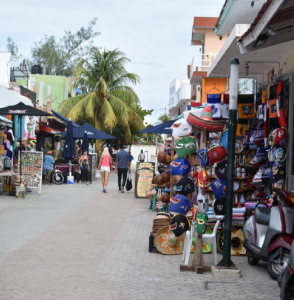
[
  {"x": 280, "y": 156},
  {"x": 203, "y": 157},
  {"x": 219, "y": 188},
  {"x": 216, "y": 154},
  {"x": 218, "y": 206},
  {"x": 166, "y": 242},
  {"x": 279, "y": 136},
  {"x": 180, "y": 166},
  {"x": 179, "y": 224},
  {"x": 181, "y": 128},
  {"x": 185, "y": 146},
  {"x": 203, "y": 179},
  {"x": 202, "y": 203},
  {"x": 220, "y": 169},
  {"x": 179, "y": 204},
  {"x": 185, "y": 186},
  {"x": 205, "y": 120}
]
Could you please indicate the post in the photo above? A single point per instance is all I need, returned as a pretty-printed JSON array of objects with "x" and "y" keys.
[
  {"x": 233, "y": 106},
  {"x": 20, "y": 140}
]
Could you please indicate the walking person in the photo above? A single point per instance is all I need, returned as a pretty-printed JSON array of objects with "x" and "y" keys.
[
  {"x": 141, "y": 157},
  {"x": 122, "y": 166},
  {"x": 48, "y": 165},
  {"x": 105, "y": 164},
  {"x": 84, "y": 164}
]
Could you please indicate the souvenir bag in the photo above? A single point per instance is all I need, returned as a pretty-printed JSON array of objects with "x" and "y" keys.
[
  {"x": 259, "y": 134},
  {"x": 179, "y": 224},
  {"x": 203, "y": 203},
  {"x": 220, "y": 168},
  {"x": 219, "y": 188},
  {"x": 214, "y": 100},
  {"x": 246, "y": 106},
  {"x": 242, "y": 127},
  {"x": 185, "y": 146},
  {"x": 181, "y": 128},
  {"x": 185, "y": 186},
  {"x": 179, "y": 204},
  {"x": 180, "y": 166},
  {"x": 218, "y": 206},
  {"x": 272, "y": 109},
  {"x": 202, "y": 221},
  {"x": 203, "y": 157},
  {"x": 216, "y": 154},
  {"x": 225, "y": 112},
  {"x": 129, "y": 184}
]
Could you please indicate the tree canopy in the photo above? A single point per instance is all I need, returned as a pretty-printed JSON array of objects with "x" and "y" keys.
[{"x": 11, "y": 46}]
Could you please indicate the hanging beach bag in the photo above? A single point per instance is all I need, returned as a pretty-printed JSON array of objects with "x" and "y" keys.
[{"x": 129, "y": 184}]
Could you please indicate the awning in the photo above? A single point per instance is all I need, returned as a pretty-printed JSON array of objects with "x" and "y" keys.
[
  {"x": 75, "y": 125},
  {"x": 48, "y": 129},
  {"x": 161, "y": 128}
]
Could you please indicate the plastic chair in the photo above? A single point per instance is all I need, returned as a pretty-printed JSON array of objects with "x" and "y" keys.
[{"x": 209, "y": 238}]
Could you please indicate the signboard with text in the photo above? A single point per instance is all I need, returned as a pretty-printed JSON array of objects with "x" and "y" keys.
[{"x": 145, "y": 172}]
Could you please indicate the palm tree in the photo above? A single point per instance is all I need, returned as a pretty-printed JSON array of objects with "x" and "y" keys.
[
  {"x": 163, "y": 118},
  {"x": 107, "y": 99}
]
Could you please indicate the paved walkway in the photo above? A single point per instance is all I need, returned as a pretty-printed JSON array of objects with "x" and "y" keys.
[{"x": 75, "y": 242}]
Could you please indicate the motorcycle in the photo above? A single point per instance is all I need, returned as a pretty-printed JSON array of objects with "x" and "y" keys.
[
  {"x": 269, "y": 234},
  {"x": 286, "y": 279},
  {"x": 61, "y": 172}
]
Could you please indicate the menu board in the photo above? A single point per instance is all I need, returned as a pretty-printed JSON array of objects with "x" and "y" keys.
[
  {"x": 31, "y": 169},
  {"x": 144, "y": 175},
  {"x": 92, "y": 163}
]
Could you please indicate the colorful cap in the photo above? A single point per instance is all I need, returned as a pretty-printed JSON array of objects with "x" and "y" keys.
[{"x": 216, "y": 154}]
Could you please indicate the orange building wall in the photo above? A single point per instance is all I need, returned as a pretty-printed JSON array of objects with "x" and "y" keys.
[{"x": 209, "y": 83}]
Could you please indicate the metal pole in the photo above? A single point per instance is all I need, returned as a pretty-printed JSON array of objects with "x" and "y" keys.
[
  {"x": 20, "y": 117},
  {"x": 226, "y": 261}
]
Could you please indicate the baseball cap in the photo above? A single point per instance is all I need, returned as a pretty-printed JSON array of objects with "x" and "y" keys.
[{"x": 49, "y": 152}]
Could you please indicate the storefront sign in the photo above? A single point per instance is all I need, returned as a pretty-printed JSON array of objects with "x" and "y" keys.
[{"x": 144, "y": 175}]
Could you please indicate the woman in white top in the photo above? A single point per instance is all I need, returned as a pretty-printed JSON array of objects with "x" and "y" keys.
[{"x": 105, "y": 164}]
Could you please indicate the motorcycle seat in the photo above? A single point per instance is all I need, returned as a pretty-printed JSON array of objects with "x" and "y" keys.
[{"x": 262, "y": 215}]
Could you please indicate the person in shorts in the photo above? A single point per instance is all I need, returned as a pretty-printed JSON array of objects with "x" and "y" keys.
[
  {"x": 105, "y": 167},
  {"x": 48, "y": 165},
  {"x": 122, "y": 166}
]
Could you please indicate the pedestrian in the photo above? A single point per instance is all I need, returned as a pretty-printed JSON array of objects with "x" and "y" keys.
[
  {"x": 122, "y": 166},
  {"x": 131, "y": 157},
  {"x": 48, "y": 165},
  {"x": 141, "y": 157},
  {"x": 105, "y": 167},
  {"x": 84, "y": 164}
]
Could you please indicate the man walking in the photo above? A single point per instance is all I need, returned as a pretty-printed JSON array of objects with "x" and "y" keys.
[
  {"x": 141, "y": 157},
  {"x": 48, "y": 165},
  {"x": 122, "y": 166}
]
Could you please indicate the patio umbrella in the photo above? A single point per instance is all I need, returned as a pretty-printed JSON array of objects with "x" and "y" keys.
[
  {"x": 163, "y": 128},
  {"x": 92, "y": 132},
  {"x": 69, "y": 147},
  {"x": 85, "y": 145},
  {"x": 22, "y": 109}
]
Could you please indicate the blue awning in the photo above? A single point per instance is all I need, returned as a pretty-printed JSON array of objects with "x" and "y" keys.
[
  {"x": 75, "y": 125},
  {"x": 161, "y": 128}
]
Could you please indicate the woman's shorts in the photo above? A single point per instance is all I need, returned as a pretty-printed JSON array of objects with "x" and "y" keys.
[{"x": 105, "y": 169}]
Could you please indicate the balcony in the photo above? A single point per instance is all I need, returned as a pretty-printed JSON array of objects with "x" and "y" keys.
[
  {"x": 199, "y": 67},
  {"x": 193, "y": 94}
]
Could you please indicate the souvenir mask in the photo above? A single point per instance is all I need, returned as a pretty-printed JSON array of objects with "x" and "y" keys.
[
  {"x": 203, "y": 179},
  {"x": 280, "y": 155},
  {"x": 280, "y": 136},
  {"x": 180, "y": 166},
  {"x": 202, "y": 221},
  {"x": 219, "y": 188},
  {"x": 185, "y": 146},
  {"x": 220, "y": 169},
  {"x": 179, "y": 204},
  {"x": 181, "y": 127},
  {"x": 218, "y": 206},
  {"x": 179, "y": 224},
  {"x": 202, "y": 201},
  {"x": 185, "y": 186},
  {"x": 203, "y": 157},
  {"x": 216, "y": 154}
]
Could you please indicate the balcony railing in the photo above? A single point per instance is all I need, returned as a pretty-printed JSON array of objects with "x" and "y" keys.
[{"x": 201, "y": 62}]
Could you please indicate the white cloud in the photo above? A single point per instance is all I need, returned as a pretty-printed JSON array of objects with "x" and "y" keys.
[{"x": 154, "y": 34}]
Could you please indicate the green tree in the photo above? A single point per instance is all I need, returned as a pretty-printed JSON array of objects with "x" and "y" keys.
[
  {"x": 11, "y": 46},
  {"x": 164, "y": 118},
  {"x": 59, "y": 56},
  {"x": 108, "y": 101}
]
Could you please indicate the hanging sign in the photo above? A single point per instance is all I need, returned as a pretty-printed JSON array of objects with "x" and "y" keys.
[{"x": 145, "y": 172}]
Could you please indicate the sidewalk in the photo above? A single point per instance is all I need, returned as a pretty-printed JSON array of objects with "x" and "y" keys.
[{"x": 75, "y": 242}]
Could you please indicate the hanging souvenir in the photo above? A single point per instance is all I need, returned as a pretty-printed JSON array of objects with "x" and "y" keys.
[
  {"x": 216, "y": 154},
  {"x": 280, "y": 156},
  {"x": 218, "y": 206},
  {"x": 161, "y": 157},
  {"x": 214, "y": 100},
  {"x": 185, "y": 146},
  {"x": 239, "y": 145},
  {"x": 277, "y": 174},
  {"x": 180, "y": 166},
  {"x": 246, "y": 106},
  {"x": 203, "y": 181},
  {"x": 185, "y": 186},
  {"x": 202, "y": 221},
  {"x": 179, "y": 204},
  {"x": 258, "y": 134},
  {"x": 261, "y": 155},
  {"x": 280, "y": 105},
  {"x": 224, "y": 138},
  {"x": 225, "y": 111},
  {"x": 203, "y": 157},
  {"x": 181, "y": 128},
  {"x": 220, "y": 169},
  {"x": 242, "y": 127},
  {"x": 257, "y": 179},
  {"x": 273, "y": 114},
  {"x": 219, "y": 188},
  {"x": 179, "y": 224},
  {"x": 279, "y": 136},
  {"x": 202, "y": 203},
  {"x": 270, "y": 154}
]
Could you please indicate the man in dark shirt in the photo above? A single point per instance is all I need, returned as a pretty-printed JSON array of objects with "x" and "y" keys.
[{"x": 122, "y": 166}]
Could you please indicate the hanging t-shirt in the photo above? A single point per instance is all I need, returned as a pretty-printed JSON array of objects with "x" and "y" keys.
[{"x": 10, "y": 141}]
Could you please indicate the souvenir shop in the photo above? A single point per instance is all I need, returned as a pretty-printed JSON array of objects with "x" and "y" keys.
[{"x": 190, "y": 189}]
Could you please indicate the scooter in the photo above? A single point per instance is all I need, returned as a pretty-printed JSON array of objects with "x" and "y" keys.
[
  {"x": 286, "y": 279},
  {"x": 269, "y": 234},
  {"x": 61, "y": 172}
]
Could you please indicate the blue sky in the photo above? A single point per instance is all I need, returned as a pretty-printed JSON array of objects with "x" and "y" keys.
[{"x": 154, "y": 34}]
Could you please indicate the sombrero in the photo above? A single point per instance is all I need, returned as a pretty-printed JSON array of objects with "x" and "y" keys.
[
  {"x": 162, "y": 219},
  {"x": 166, "y": 242},
  {"x": 205, "y": 120}
]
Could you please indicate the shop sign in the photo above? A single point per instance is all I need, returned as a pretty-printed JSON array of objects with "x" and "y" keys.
[{"x": 145, "y": 172}]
